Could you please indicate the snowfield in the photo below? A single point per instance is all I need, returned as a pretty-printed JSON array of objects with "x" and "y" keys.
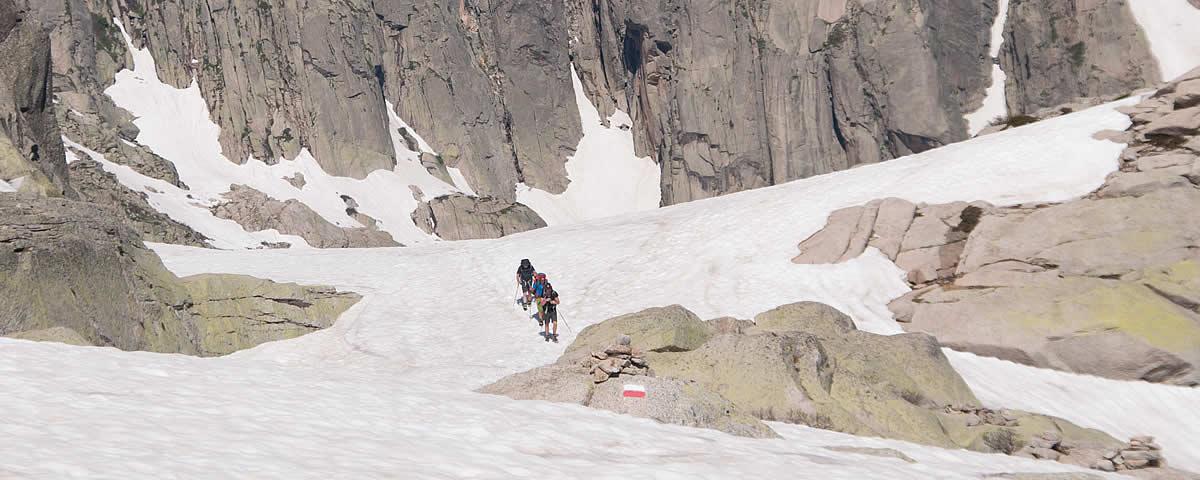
[
  {"x": 606, "y": 177},
  {"x": 1173, "y": 29},
  {"x": 387, "y": 391}
]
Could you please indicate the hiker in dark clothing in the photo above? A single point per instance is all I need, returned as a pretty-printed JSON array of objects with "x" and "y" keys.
[
  {"x": 549, "y": 302},
  {"x": 525, "y": 279}
]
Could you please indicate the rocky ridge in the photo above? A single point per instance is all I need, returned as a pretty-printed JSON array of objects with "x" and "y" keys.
[
  {"x": 801, "y": 363},
  {"x": 488, "y": 84},
  {"x": 1047, "y": 285}
]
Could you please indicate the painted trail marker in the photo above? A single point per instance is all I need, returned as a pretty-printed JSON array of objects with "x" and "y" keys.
[{"x": 634, "y": 391}]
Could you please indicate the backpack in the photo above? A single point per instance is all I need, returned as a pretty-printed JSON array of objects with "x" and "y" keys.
[{"x": 526, "y": 270}]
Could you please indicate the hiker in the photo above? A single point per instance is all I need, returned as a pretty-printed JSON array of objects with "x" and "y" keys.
[
  {"x": 525, "y": 279},
  {"x": 550, "y": 312},
  {"x": 535, "y": 289}
]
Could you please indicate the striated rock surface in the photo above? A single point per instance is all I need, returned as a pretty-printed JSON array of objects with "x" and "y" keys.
[
  {"x": 735, "y": 96},
  {"x": 235, "y": 312},
  {"x": 462, "y": 217},
  {"x": 725, "y": 96},
  {"x": 1057, "y": 52},
  {"x": 72, "y": 271},
  {"x": 256, "y": 211},
  {"x": 30, "y": 149}
]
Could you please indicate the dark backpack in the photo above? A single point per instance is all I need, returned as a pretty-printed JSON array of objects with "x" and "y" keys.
[{"x": 525, "y": 271}]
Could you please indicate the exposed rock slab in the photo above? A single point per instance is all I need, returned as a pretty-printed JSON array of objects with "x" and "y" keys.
[
  {"x": 256, "y": 211},
  {"x": 70, "y": 266},
  {"x": 235, "y": 312},
  {"x": 462, "y": 217}
]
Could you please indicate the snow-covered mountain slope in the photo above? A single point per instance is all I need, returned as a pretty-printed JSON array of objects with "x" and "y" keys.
[
  {"x": 1173, "y": 28},
  {"x": 386, "y": 392},
  {"x": 607, "y": 177},
  {"x": 175, "y": 124}
]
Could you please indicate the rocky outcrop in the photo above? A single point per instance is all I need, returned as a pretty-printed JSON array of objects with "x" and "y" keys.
[
  {"x": 1049, "y": 285},
  {"x": 235, "y": 312},
  {"x": 30, "y": 150},
  {"x": 585, "y": 380},
  {"x": 924, "y": 240},
  {"x": 75, "y": 272},
  {"x": 1057, "y": 52},
  {"x": 97, "y": 186},
  {"x": 801, "y": 363},
  {"x": 462, "y": 217},
  {"x": 256, "y": 211},
  {"x": 806, "y": 363}
]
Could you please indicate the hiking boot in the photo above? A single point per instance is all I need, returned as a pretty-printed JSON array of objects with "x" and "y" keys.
[
  {"x": 547, "y": 337},
  {"x": 554, "y": 338}
]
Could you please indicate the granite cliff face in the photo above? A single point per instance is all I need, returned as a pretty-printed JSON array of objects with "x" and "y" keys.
[
  {"x": 73, "y": 266},
  {"x": 724, "y": 96},
  {"x": 30, "y": 150}
]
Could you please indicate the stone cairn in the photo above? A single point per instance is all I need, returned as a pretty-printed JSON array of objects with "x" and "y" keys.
[
  {"x": 617, "y": 359},
  {"x": 1140, "y": 452},
  {"x": 1047, "y": 446}
]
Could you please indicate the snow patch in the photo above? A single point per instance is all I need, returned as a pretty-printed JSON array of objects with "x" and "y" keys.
[
  {"x": 175, "y": 124},
  {"x": 6, "y": 188},
  {"x": 993, "y": 98},
  {"x": 182, "y": 206},
  {"x": 1173, "y": 29},
  {"x": 606, "y": 177}
]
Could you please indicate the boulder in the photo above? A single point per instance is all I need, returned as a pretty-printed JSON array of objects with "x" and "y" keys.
[
  {"x": 462, "y": 217},
  {"x": 660, "y": 329},
  {"x": 235, "y": 312},
  {"x": 1154, "y": 162},
  {"x": 1133, "y": 184},
  {"x": 836, "y": 241},
  {"x": 1179, "y": 123},
  {"x": 784, "y": 369},
  {"x": 256, "y": 211}
]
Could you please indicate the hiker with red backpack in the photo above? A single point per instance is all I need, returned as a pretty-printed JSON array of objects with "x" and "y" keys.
[{"x": 535, "y": 289}]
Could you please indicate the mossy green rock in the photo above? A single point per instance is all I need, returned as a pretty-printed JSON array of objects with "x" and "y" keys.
[
  {"x": 235, "y": 312},
  {"x": 659, "y": 329},
  {"x": 806, "y": 363},
  {"x": 1141, "y": 321},
  {"x": 74, "y": 272}
]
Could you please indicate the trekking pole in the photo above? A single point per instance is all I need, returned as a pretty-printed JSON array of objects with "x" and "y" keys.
[{"x": 565, "y": 324}]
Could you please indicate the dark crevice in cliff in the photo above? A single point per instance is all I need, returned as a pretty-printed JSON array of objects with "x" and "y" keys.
[
  {"x": 833, "y": 116},
  {"x": 631, "y": 47}
]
